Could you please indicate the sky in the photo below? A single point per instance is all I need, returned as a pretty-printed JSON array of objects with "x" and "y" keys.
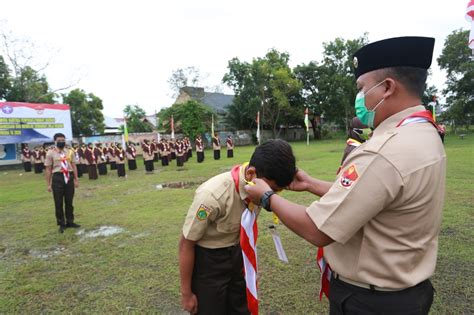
[{"x": 125, "y": 51}]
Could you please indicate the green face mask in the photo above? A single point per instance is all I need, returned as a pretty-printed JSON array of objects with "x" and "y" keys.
[{"x": 366, "y": 116}]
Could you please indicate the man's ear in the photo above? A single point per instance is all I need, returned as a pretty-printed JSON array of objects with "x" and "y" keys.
[
  {"x": 390, "y": 86},
  {"x": 250, "y": 173}
]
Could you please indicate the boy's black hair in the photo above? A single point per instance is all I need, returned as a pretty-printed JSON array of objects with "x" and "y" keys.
[
  {"x": 59, "y": 135},
  {"x": 274, "y": 160}
]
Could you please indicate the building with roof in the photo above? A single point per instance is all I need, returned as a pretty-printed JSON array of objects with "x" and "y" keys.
[{"x": 216, "y": 101}]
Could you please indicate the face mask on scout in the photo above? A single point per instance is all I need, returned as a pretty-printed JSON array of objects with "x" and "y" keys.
[
  {"x": 60, "y": 144},
  {"x": 366, "y": 116}
]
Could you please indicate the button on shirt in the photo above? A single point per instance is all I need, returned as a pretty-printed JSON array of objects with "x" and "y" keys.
[
  {"x": 384, "y": 210},
  {"x": 53, "y": 158},
  {"x": 213, "y": 220}
]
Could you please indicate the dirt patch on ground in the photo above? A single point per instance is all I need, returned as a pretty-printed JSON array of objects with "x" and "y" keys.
[{"x": 178, "y": 185}]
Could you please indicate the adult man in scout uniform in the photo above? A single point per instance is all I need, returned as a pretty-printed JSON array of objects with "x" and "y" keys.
[
  {"x": 212, "y": 229},
  {"x": 216, "y": 146},
  {"x": 381, "y": 218},
  {"x": 61, "y": 178}
]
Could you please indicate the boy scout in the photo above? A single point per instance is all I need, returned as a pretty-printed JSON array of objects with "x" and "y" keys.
[
  {"x": 61, "y": 178},
  {"x": 212, "y": 228},
  {"x": 216, "y": 146},
  {"x": 381, "y": 218}
]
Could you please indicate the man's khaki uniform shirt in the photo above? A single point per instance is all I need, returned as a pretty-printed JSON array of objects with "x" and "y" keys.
[
  {"x": 213, "y": 220},
  {"x": 53, "y": 158},
  {"x": 384, "y": 210}
]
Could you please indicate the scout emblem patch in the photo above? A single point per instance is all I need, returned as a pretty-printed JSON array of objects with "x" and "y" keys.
[
  {"x": 203, "y": 212},
  {"x": 349, "y": 177}
]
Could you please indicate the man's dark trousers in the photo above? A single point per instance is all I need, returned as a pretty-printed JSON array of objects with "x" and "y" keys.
[{"x": 63, "y": 192}]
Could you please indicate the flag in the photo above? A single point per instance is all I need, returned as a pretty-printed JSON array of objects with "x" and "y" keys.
[
  {"x": 306, "y": 119},
  {"x": 125, "y": 129},
  {"x": 172, "y": 127},
  {"x": 248, "y": 243},
  {"x": 212, "y": 126},
  {"x": 470, "y": 18},
  {"x": 258, "y": 127}
]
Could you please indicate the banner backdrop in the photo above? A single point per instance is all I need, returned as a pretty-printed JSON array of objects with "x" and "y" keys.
[{"x": 28, "y": 122}]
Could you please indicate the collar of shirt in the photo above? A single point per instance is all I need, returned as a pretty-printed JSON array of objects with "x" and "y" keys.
[
  {"x": 391, "y": 122},
  {"x": 242, "y": 182}
]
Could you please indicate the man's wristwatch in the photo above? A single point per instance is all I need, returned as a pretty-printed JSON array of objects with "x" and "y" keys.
[{"x": 265, "y": 200}]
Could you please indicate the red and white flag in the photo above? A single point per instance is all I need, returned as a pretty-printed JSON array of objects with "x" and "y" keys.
[
  {"x": 258, "y": 126},
  {"x": 470, "y": 18}
]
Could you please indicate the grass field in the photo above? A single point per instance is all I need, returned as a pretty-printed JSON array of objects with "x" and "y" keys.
[{"x": 136, "y": 271}]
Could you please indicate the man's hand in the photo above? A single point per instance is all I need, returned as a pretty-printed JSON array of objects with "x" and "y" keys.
[
  {"x": 76, "y": 183},
  {"x": 301, "y": 181},
  {"x": 257, "y": 190},
  {"x": 189, "y": 302},
  {"x": 49, "y": 188}
]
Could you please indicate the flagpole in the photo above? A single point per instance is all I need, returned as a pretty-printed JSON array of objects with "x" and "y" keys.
[
  {"x": 212, "y": 125},
  {"x": 125, "y": 131},
  {"x": 157, "y": 122},
  {"x": 306, "y": 122}
]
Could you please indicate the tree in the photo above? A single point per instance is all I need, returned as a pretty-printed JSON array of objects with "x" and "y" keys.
[
  {"x": 30, "y": 87},
  {"x": 4, "y": 78},
  {"x": 180, "y": 78},
  {"x": 86, "y": 113},
  {"x": 25, "y": 82},
  {"x": 456, "y": 60},
  {"x": 267, "y": 85},
  {"x": 329, "y": 86},
  {"x": 135, "y": 116},
  {"x": 191, "y": 118}
]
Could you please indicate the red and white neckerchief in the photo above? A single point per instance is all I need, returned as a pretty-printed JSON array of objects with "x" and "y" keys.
[
  {"x": 248, "y": 244},
  {"x": 64, "y": 166},
  {"x": 326, "y": 273},
  {"x": 419, "y": 117}
]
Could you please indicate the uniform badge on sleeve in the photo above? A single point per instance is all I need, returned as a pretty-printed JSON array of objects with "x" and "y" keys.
[
  {"x": 203, "y": 212},
  {"x": 348, "y": 177}
]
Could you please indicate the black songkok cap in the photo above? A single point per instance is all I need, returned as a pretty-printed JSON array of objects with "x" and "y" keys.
[{"x": 414, "y": 52}]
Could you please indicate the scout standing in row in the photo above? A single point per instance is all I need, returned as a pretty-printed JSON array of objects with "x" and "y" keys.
[
  {"x": 120, "y": 160},
  {"x": 199, "y": 149},
  {"x": 131, "y": 157},
  {"x": 26, "y": 157},
  {"x": 36, "y": 158},
  {"x": 148, "y": 156},
  {"x": 216, "y": 146},
  {"x": 91, "y": 162},
  {"x": 230, "y": 147}
]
